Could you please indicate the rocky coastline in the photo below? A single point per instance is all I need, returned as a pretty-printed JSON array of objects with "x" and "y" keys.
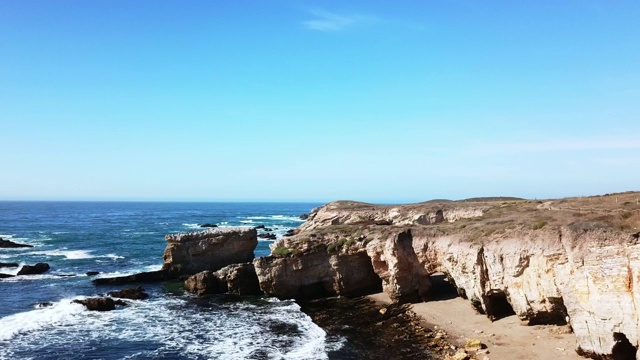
[{"x": 572, "y": 263}]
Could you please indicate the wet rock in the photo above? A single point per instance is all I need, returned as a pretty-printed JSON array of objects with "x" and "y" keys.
[
  {"x": 43, "y": 305},
  {"x": 136, "y": 293},
  {"x": 92, "y": 273},
  {"x": 4, "y": 276},
  {"x": 267, "y": 236},
  {"x": 36, "y": 269},
  {"x": 239, "y": 279},
  {"x": 290, "y": 232},
  {"x": 100, "y": 303},
  {"x": 6, "y": 265},
  {"x": 259, "y": 227},
  {"x": 7, "y": 244},
  {"x": 145, "y": 277},
  {"x": 207, "y": 225},
  {"x": 304, "y": 216}
]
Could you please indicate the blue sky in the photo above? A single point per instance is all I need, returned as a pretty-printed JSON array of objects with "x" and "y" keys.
[{"x": 284, "y": 100}]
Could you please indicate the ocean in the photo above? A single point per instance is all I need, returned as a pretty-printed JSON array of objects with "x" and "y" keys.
[{"x": 38, "y": 319}]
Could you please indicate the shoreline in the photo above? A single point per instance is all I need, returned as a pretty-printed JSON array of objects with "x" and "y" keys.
[
  {"x": 505, "y": 338},
  {"x": 374, "y": 332}
]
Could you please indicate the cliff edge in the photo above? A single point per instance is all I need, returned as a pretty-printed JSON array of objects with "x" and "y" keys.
[{"x": 572, "y": 261}]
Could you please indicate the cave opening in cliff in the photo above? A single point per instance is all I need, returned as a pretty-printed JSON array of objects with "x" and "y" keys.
[
  {"x": 497, "y": 305},
  {"x": 557, "y": 315},
  {"x": 442, "y": 287},
  {"x": 622, "y": 349}
]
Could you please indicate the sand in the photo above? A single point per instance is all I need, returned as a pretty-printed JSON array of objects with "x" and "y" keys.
[{"x": 506, "y": 339}]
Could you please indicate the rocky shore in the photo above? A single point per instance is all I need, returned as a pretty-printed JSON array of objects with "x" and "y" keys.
[{"x": 570, "y": 263}]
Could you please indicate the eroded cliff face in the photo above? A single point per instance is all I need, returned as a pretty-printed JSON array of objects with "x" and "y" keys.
[
  {"x": 189, "y": 253},
  {"x": 584, "y": 273}
]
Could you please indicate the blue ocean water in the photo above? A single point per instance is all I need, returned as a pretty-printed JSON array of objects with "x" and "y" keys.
[{"x": 118, "y": 238}]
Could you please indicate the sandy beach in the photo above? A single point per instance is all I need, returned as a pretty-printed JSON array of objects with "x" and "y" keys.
[{"x": 505, "y": 339}]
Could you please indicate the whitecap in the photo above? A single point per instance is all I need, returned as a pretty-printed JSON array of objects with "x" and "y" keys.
[
  {"x": 68, "y": 254},
  {"x": 277, "y": 217},
  {"x": 62, "y": 313},
  {"x": 192, "y": 226}
]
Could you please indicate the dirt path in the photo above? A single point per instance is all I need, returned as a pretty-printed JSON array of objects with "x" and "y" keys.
[{"x": 506, "y": 339}]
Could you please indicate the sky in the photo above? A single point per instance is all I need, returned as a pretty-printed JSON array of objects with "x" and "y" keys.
[{"x": 379, "y": 101}]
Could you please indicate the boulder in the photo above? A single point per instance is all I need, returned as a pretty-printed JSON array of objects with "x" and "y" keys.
[
  {"x": 36, "y": 269},
  {"x": 7, "y": 244},
  {"x": 4, "y": 265},
  {"x": 239, "y": 279},
  {"x": 213, "y": 249},
  {"x": 100, "y": 303},
  {"x": 136, "y": 293},
  {"x": 267, "y": 236}
]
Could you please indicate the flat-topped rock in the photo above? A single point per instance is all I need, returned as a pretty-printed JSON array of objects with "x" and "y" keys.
[{"x": 212, "y": 249}]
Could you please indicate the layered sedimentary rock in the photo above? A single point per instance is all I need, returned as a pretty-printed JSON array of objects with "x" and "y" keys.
[
  {"x": 546, "y": 266},
  {"x": 239, "y": 279},
  {"x": 189, "y": 253}
]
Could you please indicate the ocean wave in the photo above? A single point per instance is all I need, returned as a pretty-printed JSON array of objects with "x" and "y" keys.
[
  {"x": 61, "y": 313},
  {"x": 192, "y": 226},
  {"x": 137, "y": 270},
  {"x": 74, "y": 254},
  {"x": 228, "y": 331}
]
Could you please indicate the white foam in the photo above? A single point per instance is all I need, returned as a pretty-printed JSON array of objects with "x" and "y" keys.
[
  {"x": 146, "y": 268},
  {"x": 114, "y": 256},
  {"x": 246, "y": 221},
  {"x": 68, "y": 254},
  {"x": 62, "y": 313},
  {"x": 276, "y": 217},
  {"x": 228, "y": 331},
  {"x": 192, "y": 226}
]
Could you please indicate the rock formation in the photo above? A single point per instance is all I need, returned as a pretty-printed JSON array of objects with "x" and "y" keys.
[
  {"x": 575, "y": 261},
  {"x": 100, "y": 303},
  {"x": 190, "y": 253},
  {"x": 3, "y": 265},
  {"x": 8, "y": 244},
  {"x": 239, "y": 279},
  {"x": 136, "y": 293},
  {"x": 36, "y": 269}
]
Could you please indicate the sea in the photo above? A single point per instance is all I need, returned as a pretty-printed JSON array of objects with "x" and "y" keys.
[{"x": 38, "y": 319}]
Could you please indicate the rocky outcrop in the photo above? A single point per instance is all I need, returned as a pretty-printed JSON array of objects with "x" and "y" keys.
[
  {"x": 506, "y": 257},
  {"x": 5, "y": 276},
  {"x": 8, "y": 244},
  {"x": 36, "y": 269},
  {"x": 190, "y": 253},
  {"x": 136, "y": 293},
  {"x": 4, "y": 265},
  {"x": 100, "y": 303},
  {"x": 238, "y": 279}
]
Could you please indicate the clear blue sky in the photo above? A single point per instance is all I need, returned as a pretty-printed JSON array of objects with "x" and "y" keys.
[{"x": 301, "y": 100}]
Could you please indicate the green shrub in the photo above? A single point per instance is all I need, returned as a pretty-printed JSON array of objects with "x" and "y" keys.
[{"x": 282, "y": 251}]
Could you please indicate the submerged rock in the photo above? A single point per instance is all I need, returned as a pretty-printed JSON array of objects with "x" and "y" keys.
[
  {"x": 239, "y": 279},
  {"x": 136, "y": 293},
  {"x": 36, "y": 269},
  {"x": 100, "y": 303},
  {"x": 92, "y": 273},
  {"x": 145, "y": 277},
  {"x": 8, "y": 244},
  {"x": 207, "y": 225}
]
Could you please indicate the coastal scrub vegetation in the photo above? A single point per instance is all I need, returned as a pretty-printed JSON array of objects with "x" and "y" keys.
[{"x": 282, "y": 251}]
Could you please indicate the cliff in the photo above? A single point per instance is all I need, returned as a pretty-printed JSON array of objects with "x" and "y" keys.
[
  {"x": 213, "y": 249},
  {"x": 574, "y": 261}
]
